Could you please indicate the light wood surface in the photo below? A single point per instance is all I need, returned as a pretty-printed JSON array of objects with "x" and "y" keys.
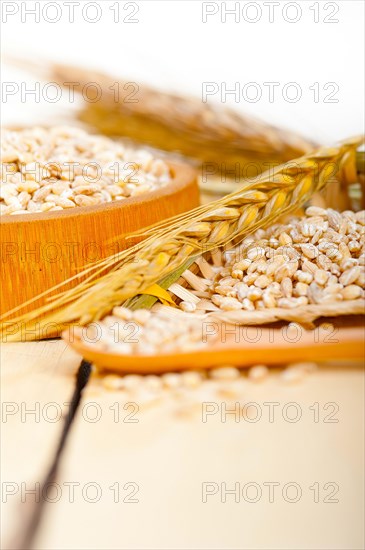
[
  {"x": 40, "y": 251},
  {"x": 170, "y": 452},
  {"x": 36, "y": 381}
]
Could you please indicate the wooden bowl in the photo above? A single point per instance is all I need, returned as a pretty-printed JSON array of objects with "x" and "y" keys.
[{"x": 39, "y": 251}]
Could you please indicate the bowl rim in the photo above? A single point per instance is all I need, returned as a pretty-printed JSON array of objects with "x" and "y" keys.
[{"x": 182, "y": 175}]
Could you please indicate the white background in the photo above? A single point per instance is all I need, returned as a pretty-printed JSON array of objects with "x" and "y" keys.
[{"x": 171, "y": 48}]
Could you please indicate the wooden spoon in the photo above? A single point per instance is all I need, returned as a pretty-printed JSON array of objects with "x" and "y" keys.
[{"x": 243, "y": 346}]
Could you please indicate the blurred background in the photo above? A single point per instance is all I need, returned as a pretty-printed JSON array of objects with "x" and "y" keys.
[{"x": 178, "y": 46}]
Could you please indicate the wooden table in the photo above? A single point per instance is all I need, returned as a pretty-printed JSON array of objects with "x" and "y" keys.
[{"x": 179, "y": 474}]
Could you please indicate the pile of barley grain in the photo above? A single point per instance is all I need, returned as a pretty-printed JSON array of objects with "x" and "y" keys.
[
  {"x": 225, "y": 381},
  {"x": 62, "y": 167},
  {"x": 143, "y": 332},
  {"x": 311, "y": 260}
]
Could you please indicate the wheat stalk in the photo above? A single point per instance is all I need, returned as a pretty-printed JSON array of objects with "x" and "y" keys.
[
  {"x": 173, "y": 242},
  {"x": 209, "y": 133}
]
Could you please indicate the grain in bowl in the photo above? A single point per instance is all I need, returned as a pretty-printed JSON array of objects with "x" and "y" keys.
[{"x": 45, "y": 170}]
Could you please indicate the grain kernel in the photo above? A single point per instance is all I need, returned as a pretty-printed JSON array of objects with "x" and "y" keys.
[
  {"x": 324, "y": 262},
  {"x": 287, "y": 303},
  {"x": 217, "y": 299},
  {"x": 281, "y": 272},
  {"x": 141, "y": 316},
  {"x": 349, "y": 276},
  {"x": 258, "y": 373},
  {"x": 360, "y": 217},
  {"x": 268, "y": 299},
  {"x": 305, "y": 366},
  {"x": 237, "y": 274},
  {"x": 303, "y": 276},
  {"x": 248, "y": 305},
  {"x": 354, "y": 246},
  {"x": 243, "y": 265},
  {"x": 112, "y": 382},
  {"x": 287, "y": 287},
  {"x": 300, "y": 289},
  {"x": 361, "y": 280},
  {"x": 254, "y": 294},
  {"x": 292, "y": 375},
  {"x": 331, "y": 298},
  {"x": 132, "y": 381},
  {"x": 171, "y": 380},
  {"x": 256, "y": 253},
  {"x": 308, "y": 229},
  {"x": 192, "y": 379},
  {"x": 225, "y": 373},
  {"x": 153, "y": 382},
  {"x": 285, "y": 239},
  {"x": 348, "y": 263},
  {"x": 309, "y": 267},
  {"x": 351, "y": 292},
  {"x": 262, "y": 281},
  {"x": 242, "y": 290},
  {"x": 123, "y": 313},
  {"x": 316, "y": 211},
  {"x": 189, "y": 307},
  {"x": 230, "y": 304},
  {"x": 310, "y": 250},
  {"x": 321, "y": 277}
]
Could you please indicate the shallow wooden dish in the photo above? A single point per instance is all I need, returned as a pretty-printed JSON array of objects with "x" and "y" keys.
[
  {"x": 39, "y": 251},
  {"x": 264, "y": 345}
]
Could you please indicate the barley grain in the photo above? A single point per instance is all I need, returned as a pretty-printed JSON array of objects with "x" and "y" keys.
[
  {"x": 321, "y": 277},
  {"x": 300, "y": 289},
  {"x": 225, "y": 373},
  {"x": 153, "y": 382},
  {"x": 254, "y": 294},
  {"x": 60, "y": 148},
  {"x": 230, "y": 304},
  {"x": 350, "y": 275},
  {"x": 292, "y": 375},
  {"x": 287, "y": 287},
  {"x": 192, "y": 379},
  {"x": 112, "y": 382},
  {"x": 285, "y": 239},
  {"x": 303, "y": 276},
  {"x": 262, "y": 281},
  {"x": 351, "y": 292},
  {"x": 258, "y": 373},
  {"x": 268, "y": 300},
  {"x": 131, "y": 381}
]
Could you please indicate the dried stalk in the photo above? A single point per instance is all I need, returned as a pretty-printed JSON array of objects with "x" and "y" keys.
[
  {"x": 211, "y": 134},
  {"x": 171, "y": 243}
]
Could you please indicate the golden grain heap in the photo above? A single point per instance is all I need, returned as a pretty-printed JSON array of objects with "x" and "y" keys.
[
  {"x": 315, "y": 259},
  {"x": 45, "y": 170}
]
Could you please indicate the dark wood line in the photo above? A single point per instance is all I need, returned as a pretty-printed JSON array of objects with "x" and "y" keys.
[{"x": 30, "y": 517}]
